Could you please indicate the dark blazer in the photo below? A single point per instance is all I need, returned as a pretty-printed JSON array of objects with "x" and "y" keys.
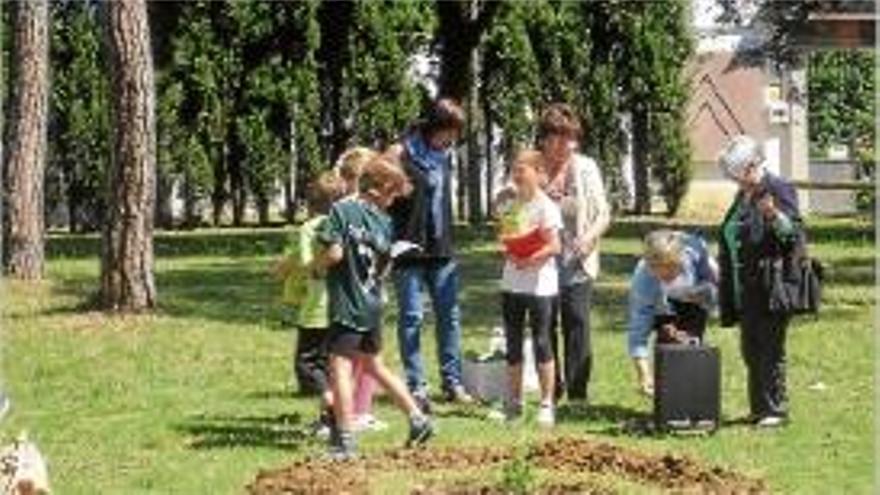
[
  {"x": 759, "y": 251},
  {"x": 411, "y": 217}
]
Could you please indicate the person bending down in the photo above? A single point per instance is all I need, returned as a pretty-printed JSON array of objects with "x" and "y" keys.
[{"x": 672, "y": 291}]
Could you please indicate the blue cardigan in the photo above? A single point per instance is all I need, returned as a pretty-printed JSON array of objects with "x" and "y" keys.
[{"x": 648, "y": 298}]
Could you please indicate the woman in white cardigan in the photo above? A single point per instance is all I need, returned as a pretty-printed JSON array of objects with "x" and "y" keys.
[{"x": 575, "y": 183}]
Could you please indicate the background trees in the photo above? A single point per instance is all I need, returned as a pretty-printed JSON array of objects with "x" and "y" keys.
[{"x": 253, "y": 98}]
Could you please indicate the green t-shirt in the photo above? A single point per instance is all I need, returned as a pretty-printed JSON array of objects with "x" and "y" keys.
[
  {"x": 364, "y": 233},
  {"x": 303, "y": 288}
]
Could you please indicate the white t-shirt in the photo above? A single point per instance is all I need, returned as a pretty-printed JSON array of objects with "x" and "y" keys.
[{"x": 538, "y": 280}]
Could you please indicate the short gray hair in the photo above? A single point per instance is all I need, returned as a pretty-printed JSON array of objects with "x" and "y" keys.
[
  {"x": 740, "y": 152},
  {"x": 663, "y": 247}
]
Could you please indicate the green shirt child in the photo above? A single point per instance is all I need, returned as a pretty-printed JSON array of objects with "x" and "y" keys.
[{"x": 304, "y": 288}]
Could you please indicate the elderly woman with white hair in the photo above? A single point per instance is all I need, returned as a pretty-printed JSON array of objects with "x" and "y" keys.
[
  {"x": 672, "y": 291},
  {"x": 761, "y": 238}
]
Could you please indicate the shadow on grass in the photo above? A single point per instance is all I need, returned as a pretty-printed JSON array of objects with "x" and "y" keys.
[
  {"x": 285, "y": 432},
  {"x": 601, "y": 413},
  {"x": 257, "y": 242}
]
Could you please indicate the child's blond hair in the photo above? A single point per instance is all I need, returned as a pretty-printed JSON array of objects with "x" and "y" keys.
[
  {"x": 532, "y": 158},
  {"x": 350, "y": 166},
  {"x": 381, "y": 176},
  {"x": 326, "y": 189}
]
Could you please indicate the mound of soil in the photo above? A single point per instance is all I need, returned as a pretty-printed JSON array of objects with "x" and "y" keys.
[
  {"x": 669, "y": 471},
  {"x": 560, "y": 455}
]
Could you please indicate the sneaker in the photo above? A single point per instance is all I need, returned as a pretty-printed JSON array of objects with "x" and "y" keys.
[
  {"x": 423, "y": 402},
  {"x": 457, "y": 395},
  {"x": 342, "y": 447},
  {"x": 368, "y": 422},
  {"x": 546, "y": 416},
  {"x": 420, "y": 431},
  {"x": 513, "y": 411},
  {"x": 770, "y": 422}
]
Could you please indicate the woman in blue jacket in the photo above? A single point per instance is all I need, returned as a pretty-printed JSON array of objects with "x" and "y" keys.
[{"x": 672, "y": 291}]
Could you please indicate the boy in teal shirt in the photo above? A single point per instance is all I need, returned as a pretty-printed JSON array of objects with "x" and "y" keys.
[{"x": 357, "y": 237}]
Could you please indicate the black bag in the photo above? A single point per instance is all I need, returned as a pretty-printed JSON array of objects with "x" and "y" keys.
[
  {"x": 687, "y": 387},
  {"x": 795, "y": 286}
]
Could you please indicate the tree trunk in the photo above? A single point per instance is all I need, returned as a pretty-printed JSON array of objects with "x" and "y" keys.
[
  {"x": 290, "y": 177},
  {"x": 164, "y": 196},
  {"x": 262, "y": 210},
  {"x": 475, "y": 161},
  {"x": 462, "y": 24},
  {"x": 490, "y": 156},
  {"x": 641, "y": 177},
  {"x": 191, "y": 215},
  {"x": 127, "y": 262},
  {"x": 27, "y": 153},
  {"x": 219, "y": 195}
]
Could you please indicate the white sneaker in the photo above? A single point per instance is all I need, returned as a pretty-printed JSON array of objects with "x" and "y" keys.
[
  {"x": 368, "y": 422},
  {"x": 770, "y": 422},
  {"x": 546, "y": 416}
]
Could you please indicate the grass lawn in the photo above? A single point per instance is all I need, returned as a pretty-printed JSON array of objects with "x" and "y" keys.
[{"x": 195, "y": 399}]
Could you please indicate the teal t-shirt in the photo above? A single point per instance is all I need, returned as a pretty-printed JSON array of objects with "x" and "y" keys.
[{"x": 353, "y": 285}]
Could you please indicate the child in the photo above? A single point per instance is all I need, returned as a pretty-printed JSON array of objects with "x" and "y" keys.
[
  {"x": 305, "y": 290},
  {"x": 529, "y": 283},
  {"x": 350, "y": 167},
  {"x": 357, "y": 236}
]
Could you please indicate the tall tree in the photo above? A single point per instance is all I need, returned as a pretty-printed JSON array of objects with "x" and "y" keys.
[
  {"x": 127, "y": 260},
  {"x": 27, "y": 154},
  {"x": 462, "y": 24}
]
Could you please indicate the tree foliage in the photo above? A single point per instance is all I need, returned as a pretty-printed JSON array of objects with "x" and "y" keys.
[
  {"x": 605, "y": 59},
  {"x": 79, "y": 152}
]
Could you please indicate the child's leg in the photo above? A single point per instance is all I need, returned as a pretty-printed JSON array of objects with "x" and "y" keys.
[
  {"x": 340, "y": 372},
  {"x": 364, "y": 387},
  {"x": 308, "y": 359},
  {"x": 540, "y": 318},
  {"x": 514, "y": 314},
  {"x": 394, "y": 385}
]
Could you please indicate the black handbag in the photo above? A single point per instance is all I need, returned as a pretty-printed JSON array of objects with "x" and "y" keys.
[{"x": 795, "y": 285}]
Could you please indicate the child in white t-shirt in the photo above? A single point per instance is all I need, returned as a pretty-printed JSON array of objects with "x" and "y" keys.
[{"x": 530, "y": 281}]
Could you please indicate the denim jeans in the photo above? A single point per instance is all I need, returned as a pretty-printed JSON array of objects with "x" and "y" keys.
[{"x": 441, "y": 281}]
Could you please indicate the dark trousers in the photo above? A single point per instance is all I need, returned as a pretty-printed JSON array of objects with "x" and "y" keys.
[
  {"x": 571, "y": 312},
  {"x": 538, "y": 309},
  {"x": 762, "y": 339},
  {"x": 310, "y": 360}
]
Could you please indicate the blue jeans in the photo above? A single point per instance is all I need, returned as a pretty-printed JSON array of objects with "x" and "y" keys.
[{"x": 441, "y": 281}]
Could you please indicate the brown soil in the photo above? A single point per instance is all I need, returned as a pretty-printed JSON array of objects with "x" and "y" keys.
[{"x": 573, "y": 455}]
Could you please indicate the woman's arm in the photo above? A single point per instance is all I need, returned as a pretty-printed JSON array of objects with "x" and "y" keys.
[
  {"x": 641, "y": 310},
  {"x": 595, "y": 192}
]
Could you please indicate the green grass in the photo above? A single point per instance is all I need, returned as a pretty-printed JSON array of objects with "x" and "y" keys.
[{"x": 194, "y": 399}]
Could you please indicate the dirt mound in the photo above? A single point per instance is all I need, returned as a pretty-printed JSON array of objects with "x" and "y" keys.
[
  {"x": 668, "y": 471},
  {"x": 561, "y": 455}
]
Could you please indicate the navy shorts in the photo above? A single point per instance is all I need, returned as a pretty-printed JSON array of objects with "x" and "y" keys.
[{"x": 349, "y": 342}]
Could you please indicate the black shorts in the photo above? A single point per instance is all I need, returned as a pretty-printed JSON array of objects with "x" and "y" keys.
[
  {"x": 515, "y": 309},
  {"x": 346, "y": 341}
]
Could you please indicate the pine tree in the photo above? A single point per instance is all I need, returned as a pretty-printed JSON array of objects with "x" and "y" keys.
[
  {"x": 127, "y": 261},
  {"x": 28, "y": 141}
]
